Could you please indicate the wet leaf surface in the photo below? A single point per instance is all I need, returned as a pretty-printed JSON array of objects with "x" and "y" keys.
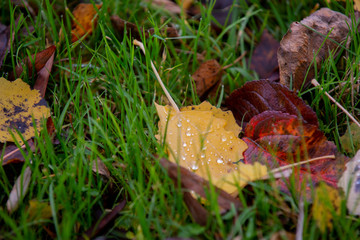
[
  {"x": 201, "y": 138},
  {"x": 305, "y": 39}
]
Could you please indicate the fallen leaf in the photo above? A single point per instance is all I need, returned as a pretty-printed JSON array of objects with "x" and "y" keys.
[
  {"x": 38, "y": 210},
  {"x": 19, "y": 105},
  {"x": 132, "y": 30},
  {"x": 13, "y": 154},
  {"x": 300, "y": 45},
  {"x": 244, "y": 174},
  {"x": 256, "y": 97},
  {"x": 201, "y": 138},
  {"x": 99, "y": 167},
  {"x": 282, "y": 235},
  {"x": 350, "y": 183},
  {"x": 351, "y": 138},
  {"x": 207, "y": 77},
  {"x": 103, "y": 222},
  {"x": 36, "y": 63},
  {"x": 167, "y": 5},
  {"x": 85, "y": 19},
  {"x": 264, "y": 59},
  {"x": 327, "y": 202},
  {"x": 19, "y": 190},
  {"x": 278, "y": 139}
]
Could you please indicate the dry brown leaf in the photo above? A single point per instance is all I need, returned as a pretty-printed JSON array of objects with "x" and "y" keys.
[
  {"x": 351, "y": 138},
  {"x": 168, "y": 5},
  {"x": 85, "y": 17},
  {"x": 12, "y": 154},
  {"x": 300, "y": 44},
  {"x": 207, "y": 77},
  {"x": 19, "y": 105}
]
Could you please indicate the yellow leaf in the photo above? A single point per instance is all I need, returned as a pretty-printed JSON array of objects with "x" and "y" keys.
[
  {"x": 202, "y": 138},
  {"x": 19, "y": 105},
  {"x": 326, "y": 203},
  {"x": 239, "y": 178},
  {"x": 38, "y": 210}
]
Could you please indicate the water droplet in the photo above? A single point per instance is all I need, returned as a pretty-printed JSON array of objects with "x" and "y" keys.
[
  {"x": 231, "y": 137},
  {"x": 190, "y": 142},
  {"x": 188, "y": 129},
  {"x": 194, "y": 167},
  {"x": 188, "y": 120},
  {"x": 192, "y": 155},
  {"x": 188, "y": 134},
  {"x": 183, "y": 158},
  {"x": 202, "y": 155},
  {"x": 219, "y": 160},
  {"x": 179, "y": 124},
  {"x": 184, "y": 144},
  {"x": 207, "y": 141},
  {"x": 223, "y": 139}
]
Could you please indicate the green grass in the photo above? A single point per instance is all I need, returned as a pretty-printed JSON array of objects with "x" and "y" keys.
[{"x": 102, "y": 92}]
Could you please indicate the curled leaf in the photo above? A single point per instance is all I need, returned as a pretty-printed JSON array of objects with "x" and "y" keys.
[
  {"x": 19, "y": 105},
  {"x": 305, "y": 41}
]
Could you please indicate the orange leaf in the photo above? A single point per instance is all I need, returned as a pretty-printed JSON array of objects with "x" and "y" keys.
[{"x": 84, "y": 20}]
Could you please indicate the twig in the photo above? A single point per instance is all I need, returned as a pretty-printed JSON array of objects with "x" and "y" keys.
[
  {"x": 279, "y": 169},
  {"x": 316, "y": 84},
  {"x": 236, "y": 60},
  {"x": 171, "y": 100}
]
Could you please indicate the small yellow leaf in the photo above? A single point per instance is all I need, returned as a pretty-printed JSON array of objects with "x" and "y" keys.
[
  {"x": 19, "y": 105},
  {"x": 38, "y": 210},
  {"x": 239, "y": 178},
  {"x": 202, "y": 138},
  {"x": 326, "y": 203}
]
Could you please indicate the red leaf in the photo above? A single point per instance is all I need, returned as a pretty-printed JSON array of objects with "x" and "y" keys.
[
  {"x": 278, "y": 139},
  {"x": 258, "y": 96}
]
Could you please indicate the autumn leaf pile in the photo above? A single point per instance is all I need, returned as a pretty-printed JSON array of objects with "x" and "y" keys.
[{"x": 222, "y": 150}]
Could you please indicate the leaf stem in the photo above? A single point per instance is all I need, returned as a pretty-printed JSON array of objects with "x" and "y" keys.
[{"x": 171, "y": 100}]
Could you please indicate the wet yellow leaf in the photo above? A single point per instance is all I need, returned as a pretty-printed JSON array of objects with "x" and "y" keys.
[
  {"x": 18, "y": 106},
  {"x": 326, "y": 203},
  {"x": 85, "y": 19},
  {"x": 202, "y": 138}
]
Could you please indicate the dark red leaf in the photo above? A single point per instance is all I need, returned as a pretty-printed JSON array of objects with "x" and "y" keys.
[
  {"x": 12, "y": 153},
  {"x": 258, "y": 96}
]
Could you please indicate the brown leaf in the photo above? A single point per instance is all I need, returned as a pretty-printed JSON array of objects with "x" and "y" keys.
[
  {"x": 207, "y": 77},
  {"x": 85, "y": 18},
  {"x": 43, "y": 59},
  {"x": 104, "y": 222},
  {"x": 278, "y": 139},
  {"x": 256, "y": 97},
  {"x": 44, "y": 73},
  {"x": 99, "y": 167},
  {"x": 167, "y": 5},
  {"x": 264, "y": 59},
  {"x": 13, "y": 154},
  {"x": 300, "y": 44},
  {"x": 192, "y": 182},
  {"x": 132, "y": 30}
]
